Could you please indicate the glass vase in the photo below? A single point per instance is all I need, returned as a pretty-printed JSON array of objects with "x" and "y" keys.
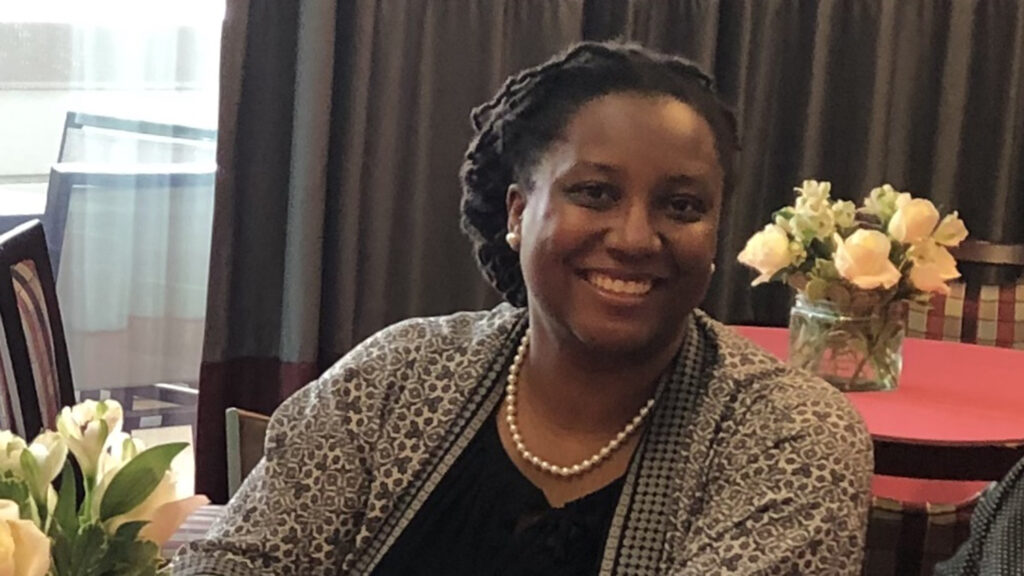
[{"x": 856, "y": 348}]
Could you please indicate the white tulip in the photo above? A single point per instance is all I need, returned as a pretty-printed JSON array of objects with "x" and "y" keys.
[
  {"x": 768, "y": 251},
  {"x": 49, "y": 452},
  {"x": 863, "y": 260},
  {"x": 11, "y": 447},
  {"x": 162, "y": 509},
  {"x": 24, "y": 549},
  {"x": 86, "y": 428},
  {"x": 914, "y": 221},
  {"x": 932, "y": 267},
  {"x": 951, "y": 231}
]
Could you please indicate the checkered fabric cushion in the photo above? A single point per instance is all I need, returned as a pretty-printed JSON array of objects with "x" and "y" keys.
[
  {"x": 989, "y": 315},
  {"x": 908, "y": 539}
]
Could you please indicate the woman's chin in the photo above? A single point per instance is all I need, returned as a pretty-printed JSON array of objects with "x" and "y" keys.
[{"x": 606, "y": 340}]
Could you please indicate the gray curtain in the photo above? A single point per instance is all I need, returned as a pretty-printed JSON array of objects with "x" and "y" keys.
[{"x": 343, "y": 123}]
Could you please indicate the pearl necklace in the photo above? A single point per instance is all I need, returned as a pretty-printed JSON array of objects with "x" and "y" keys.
[{"x": 511, "y": 389}]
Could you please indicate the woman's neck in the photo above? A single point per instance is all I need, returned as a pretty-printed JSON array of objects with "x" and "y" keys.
[{"x": 587, "y": 392}]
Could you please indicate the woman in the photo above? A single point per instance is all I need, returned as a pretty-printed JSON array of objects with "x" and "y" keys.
[{"x": 597, "y": 425}]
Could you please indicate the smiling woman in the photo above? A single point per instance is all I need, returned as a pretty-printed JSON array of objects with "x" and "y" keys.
[{"x": 597, "y": 423}]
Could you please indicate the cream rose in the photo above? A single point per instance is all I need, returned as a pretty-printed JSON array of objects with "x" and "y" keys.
[
  {"x": 951, "y": 231},
  {"x": 863, "y": 259},
  {"x": 932, "y": 267},
  {"x": 767, "y": 252},
  {"x": 914, "y": 220},
  {"x": 24, "y": 549}
]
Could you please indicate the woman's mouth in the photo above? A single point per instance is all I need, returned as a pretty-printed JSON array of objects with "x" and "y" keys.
[{"x": 619, "y": 286}]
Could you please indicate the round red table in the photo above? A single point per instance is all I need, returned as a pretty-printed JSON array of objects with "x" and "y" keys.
[{"x": 956, "y": 400}]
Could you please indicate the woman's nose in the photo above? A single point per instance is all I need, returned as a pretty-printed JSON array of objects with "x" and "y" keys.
[{"x": 634, "y": 232}]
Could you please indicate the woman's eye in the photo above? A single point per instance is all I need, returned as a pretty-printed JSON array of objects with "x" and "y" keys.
[
  {"x": 685, "y": 208},
  {"x": 594, "y": 194}
]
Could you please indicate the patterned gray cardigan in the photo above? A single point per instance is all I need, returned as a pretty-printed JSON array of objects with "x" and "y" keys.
[{"x": 746, "y": 466}]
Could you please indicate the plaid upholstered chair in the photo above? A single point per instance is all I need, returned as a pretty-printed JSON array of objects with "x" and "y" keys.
[{"x": 35, "y": 378}]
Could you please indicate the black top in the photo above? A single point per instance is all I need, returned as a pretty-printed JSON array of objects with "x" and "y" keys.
[{"x": 486, "y": 519}]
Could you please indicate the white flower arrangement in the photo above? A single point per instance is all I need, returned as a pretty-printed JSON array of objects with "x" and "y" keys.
[
  {"x": 855, "y": 269},
  {"x": 829, "y": 249},
  {"x": 130, "y": 506}
]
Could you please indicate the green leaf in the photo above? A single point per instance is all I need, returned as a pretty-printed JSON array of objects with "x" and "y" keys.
[
  {"x": 64, "y": 513},
  {"x": 61, "y": 550},
  {"x": 127, "y": 556},
  {"x": 137, "y": 480},
  {"x": 16, "y": 490},
  {"x": 88, "y": 548},
  {"x": 129, "y": 531},
  {"x": 816, "y": 289}
]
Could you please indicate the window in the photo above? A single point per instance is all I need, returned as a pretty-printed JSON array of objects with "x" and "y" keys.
[{"x": 108, "y": 134}]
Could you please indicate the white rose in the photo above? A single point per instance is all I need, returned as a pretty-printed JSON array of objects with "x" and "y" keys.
[
  {"x": 863, "y": 259},
  {"x": 86, "y": 428},
  {"x": 48, "y": 452},
  {"x": 932, "y": 266},
  {"x": 11, "y": 446},
  {"x": 951, "y": 231},
  {"x": 767, "y": 252},
  {"x": 24, "y": 549},
  {"x": 913, "y": 221}
]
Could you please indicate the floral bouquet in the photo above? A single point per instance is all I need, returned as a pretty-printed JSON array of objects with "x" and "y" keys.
[
  {"x": 128, "y": 507},
  {"x": 854, "y": 270}
]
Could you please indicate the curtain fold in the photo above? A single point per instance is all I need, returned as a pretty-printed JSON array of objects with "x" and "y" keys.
[{"x": 343, "y": 126}]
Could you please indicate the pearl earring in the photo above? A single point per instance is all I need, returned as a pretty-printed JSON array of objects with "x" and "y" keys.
[
  {"x": 513, "y": 239},
  {"x": 712, "y": 267}
]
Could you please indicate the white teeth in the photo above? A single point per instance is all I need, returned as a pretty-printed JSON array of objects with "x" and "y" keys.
[{"x": 631, "y": 287}]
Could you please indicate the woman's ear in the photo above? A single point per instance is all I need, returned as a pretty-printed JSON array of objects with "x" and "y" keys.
[{"x": 515, "y": 203}]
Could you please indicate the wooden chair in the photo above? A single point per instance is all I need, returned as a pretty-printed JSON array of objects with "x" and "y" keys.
[
  {"x": 35, "y": 380},
  {"x": 245, "y": 434}
]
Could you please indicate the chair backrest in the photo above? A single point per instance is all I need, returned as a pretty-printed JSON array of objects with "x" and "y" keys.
[
  {"x": 36, "y": 376},
  {"x": 99, "y": 138},
  {"x": 97, "y": 178},
  {"x": 245, "y": 434},
  {"x": 985, "y": 307}
]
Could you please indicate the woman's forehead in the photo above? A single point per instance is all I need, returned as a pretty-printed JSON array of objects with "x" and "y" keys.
[{"x": 622, "y": 130}]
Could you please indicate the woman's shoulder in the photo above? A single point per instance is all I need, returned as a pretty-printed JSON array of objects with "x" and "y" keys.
[
  {"x": 417, "y": 360},
  {"x": 439, "y": 347},
  {"x": 461, "y": 332}
]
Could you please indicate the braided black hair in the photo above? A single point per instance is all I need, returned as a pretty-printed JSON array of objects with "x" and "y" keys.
[{"x": 532, "y": 108}]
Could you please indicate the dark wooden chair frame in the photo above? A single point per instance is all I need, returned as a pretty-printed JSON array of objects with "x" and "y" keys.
[{"x": 28, "y": 242}]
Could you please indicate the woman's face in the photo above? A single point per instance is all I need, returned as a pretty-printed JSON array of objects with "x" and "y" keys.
[{"x": 618, "y": 231}]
